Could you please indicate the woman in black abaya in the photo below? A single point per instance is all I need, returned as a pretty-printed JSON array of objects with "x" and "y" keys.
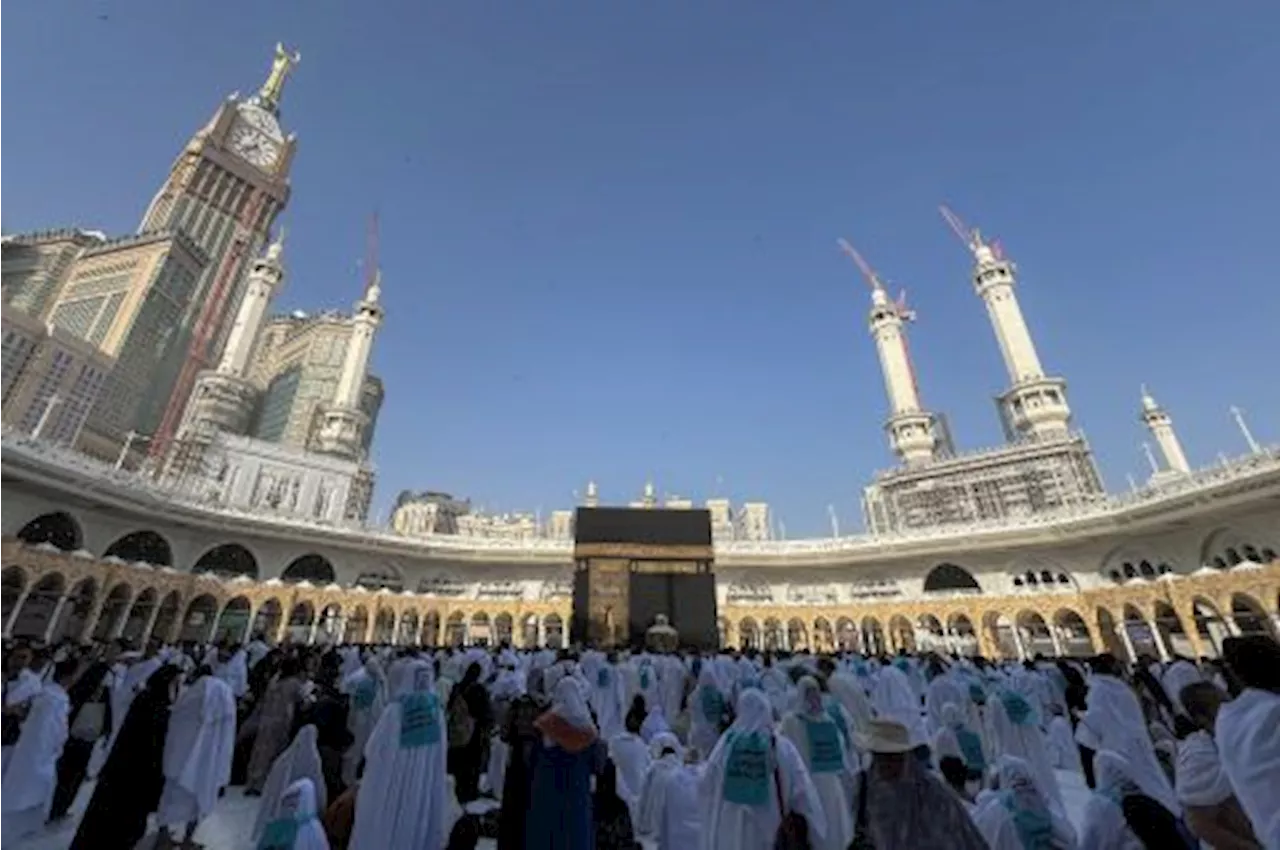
[{"x": 130, "y": 783}]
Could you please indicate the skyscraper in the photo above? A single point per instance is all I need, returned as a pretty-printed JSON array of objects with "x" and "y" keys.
[{"x": 225, "y": 190}]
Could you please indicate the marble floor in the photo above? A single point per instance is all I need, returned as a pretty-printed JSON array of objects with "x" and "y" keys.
[{"x": 229, "y": 826}]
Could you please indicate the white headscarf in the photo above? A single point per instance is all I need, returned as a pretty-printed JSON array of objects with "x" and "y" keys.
[
  {"x": 568, "y": 704},
  {"x": 300, "y": 760},
  {"x": 403, "y": 800},
  {"x": 297, "y": 805},
  {"x": 1201, "y": 780},
  {"x": 200, "y": 744},
  {"x": 846, "y": 688}
]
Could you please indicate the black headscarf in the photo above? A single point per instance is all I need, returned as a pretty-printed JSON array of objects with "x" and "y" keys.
[{"x": 130, "y": 783}]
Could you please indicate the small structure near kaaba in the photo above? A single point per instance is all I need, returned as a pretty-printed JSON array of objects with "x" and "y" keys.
[{"x": 636, "y": 565}]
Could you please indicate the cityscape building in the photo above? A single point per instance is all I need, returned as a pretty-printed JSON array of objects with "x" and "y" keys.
[
  {"x": 34, "y": 266},
  {"x": 225, "y": 190}
]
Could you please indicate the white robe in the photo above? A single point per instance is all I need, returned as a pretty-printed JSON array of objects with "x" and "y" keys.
[
  {"x": 297, "y": 803},
  {"x": 1248, "y": 734},
  {"x": 1180, "y": 674},
  {"x": 833, "y": 789},
  {"x": 1201, "y": 781},
  {"x": 653, "y": 800},
  {"x": 31, "y": 773},
  {"x": 630, "y": 756},
  {"x": 894, "y": 699},
  {"x": 734, "y": 826},
  {"x": 681, "y": 816},
  {"x": 403, "y": 801},
  {"x": 361, "y": 719},
  {"x": 24, "y": 686},
  {"x": 1024, "y": 741},
  {"x": 197, "y": 752},
  {"x": 1063, "y": 752},
  {"x": 1114, "y": 721},
  {"x": 300, "y": 760},
  {"x": 607, "y": 698}
]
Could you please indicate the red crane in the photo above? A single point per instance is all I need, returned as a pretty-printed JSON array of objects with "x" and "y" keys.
[
  {"x": 899, "y": 306},
  {"x": 970, "y": 236}
]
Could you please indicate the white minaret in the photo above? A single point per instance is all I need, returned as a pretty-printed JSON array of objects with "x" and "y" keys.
[
  {"x": 910, "y": 428},
  {"x": 342, "y": 429},
  {"x": 265, "y": 277},
  {"x": 1161, "y": 427},
  {"x": 1035, "y": 405}
]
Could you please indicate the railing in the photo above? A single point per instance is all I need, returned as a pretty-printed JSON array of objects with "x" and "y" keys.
[{"x": 100, "y": 475}]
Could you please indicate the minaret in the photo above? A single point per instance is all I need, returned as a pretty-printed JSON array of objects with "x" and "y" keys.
[
  {"x": 342, "y": 429},
  {"x": 266, "y": 274},
  {"x": 1161, "y": 426},
  {"x": 1035, "y": 405},
  {"x": 593, "y": 495},
  {"x": 910, "y": 429}
]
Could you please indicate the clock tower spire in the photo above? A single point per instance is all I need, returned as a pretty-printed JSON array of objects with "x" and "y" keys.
[{"x": 225, "y": 190}]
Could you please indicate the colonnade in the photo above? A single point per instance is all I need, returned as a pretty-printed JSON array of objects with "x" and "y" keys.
[{"x": 52, "y": 595}]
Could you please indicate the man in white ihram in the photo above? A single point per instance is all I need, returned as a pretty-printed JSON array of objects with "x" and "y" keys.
[
  {"x": 197, "y": 756},
  {"x": 30, "y": 773}
]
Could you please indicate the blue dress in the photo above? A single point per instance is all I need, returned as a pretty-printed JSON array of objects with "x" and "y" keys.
[{"x": 560, "y": 814}]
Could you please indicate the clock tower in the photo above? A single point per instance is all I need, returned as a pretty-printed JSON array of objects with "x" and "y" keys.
[{"x": 225, "y": 190}]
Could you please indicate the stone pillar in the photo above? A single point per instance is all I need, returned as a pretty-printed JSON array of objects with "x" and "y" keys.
[
  {"x": 57, "y": 615},
  {"x": 542, "y": 632},
  {"x": 1017, "y": 642},
  {"x": 1157, "y": 634},
  {"x": 1127, "y": 641},
  {"x": 151, "y": 621},
  {"x": 369, "y": 622},
  {"x": 1057, "y": 640},
  {"x": 17, "y": 608},
  {"x": 315, "y": 627},
  {"x": 1229, "y": 621},
  {"x": 95, "y": 614}
]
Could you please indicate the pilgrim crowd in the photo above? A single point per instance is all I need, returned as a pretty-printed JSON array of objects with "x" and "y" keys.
[{"x": 397, "y": 748}]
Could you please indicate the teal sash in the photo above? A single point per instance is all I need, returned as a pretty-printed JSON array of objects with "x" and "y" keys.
[
  {"x": 419, "y": 720},
  {"x": 1035, "y": 828},
  {"x": 837, "y": 717},
  {"x": 602, "y": 677},
  {"x": 365, "y": 693},
  {"x": 825, "y": 753},
  {"x": 746, "y": 771},
  {"x": 977, "y": 694},
  {"x": 1016, "y": 706},
  {"x": 970, "y": 747},
  {"x": 644, "y": 678},
  {"x": 712, "y": 705},
  {"x": 279, "y": 835}
]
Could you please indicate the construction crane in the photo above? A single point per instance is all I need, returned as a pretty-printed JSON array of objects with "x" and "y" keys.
[
  {"x": 970, "y": 236},
  {"x": 899, "y": 306}
]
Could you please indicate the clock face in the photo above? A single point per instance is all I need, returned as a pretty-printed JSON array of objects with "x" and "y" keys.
[{"x": 254, "y": 146}]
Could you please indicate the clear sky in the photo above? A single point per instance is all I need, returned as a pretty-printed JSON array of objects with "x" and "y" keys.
[{"x": 608, "y": 228}]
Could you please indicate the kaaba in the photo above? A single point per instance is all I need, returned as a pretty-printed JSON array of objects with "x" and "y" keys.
[{"x": 633, "y": 564}]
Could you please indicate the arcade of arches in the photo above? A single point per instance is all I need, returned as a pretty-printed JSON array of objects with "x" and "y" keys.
[{"x": 55, "y": 595}]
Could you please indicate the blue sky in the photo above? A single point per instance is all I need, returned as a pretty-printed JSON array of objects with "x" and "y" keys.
[{"x": 608, "y": 228}]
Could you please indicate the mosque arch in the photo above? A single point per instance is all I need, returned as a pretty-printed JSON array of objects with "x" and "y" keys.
[
  {"x": 1249, "y": 616},
  {"x": 529, "y": 631},
  {"x": 1074, "y": 631},
  {"x": 114, "y": 608},
  {"x": 330, "y": 628},
  {"x": 555, "y": 631},
  {"x": 228, "y": 560},
  {"x": 1000, "y": 631},
  {"x": 1036, "y": 638},
  {"x": 951, "y": 578},
  {"x": 409, "y": 632},
  {"x": 749, "y": 634},
  {"x": 310, "y": 567},
  {"x": 166, "y": 621},
  {"x": 301, "y": 618},
  {"x": 873, "y": 641},
  {"x": 144, "y": 545},
  {"x": 14, "y": 582},
  {"x": 901, "y": 634},
  {"x": 384, "y": 626},
  {"x": 139, "y": 615},
  {"x": 797, "y": 634},
  {"x": 74, "y": 614},
  {"x": 34, "y": 617},
  {"x": 846, "y": 635},
  {"x": 198, "y": 622},
  {"x": 1138, "y": 631},
  {"x": 772, "y": 634},
  {"x": 502, "y": 629},
  {"x": 1168, "y": 625},
  {"x": 823, "y": 636},
  {"x": 455, "y": 629},
  {"x": 233, "y": 620},
  {"x": 357, "y": 625},
  {"x": 722, "y": 630},
  {"x": 58, "y": 529}
]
